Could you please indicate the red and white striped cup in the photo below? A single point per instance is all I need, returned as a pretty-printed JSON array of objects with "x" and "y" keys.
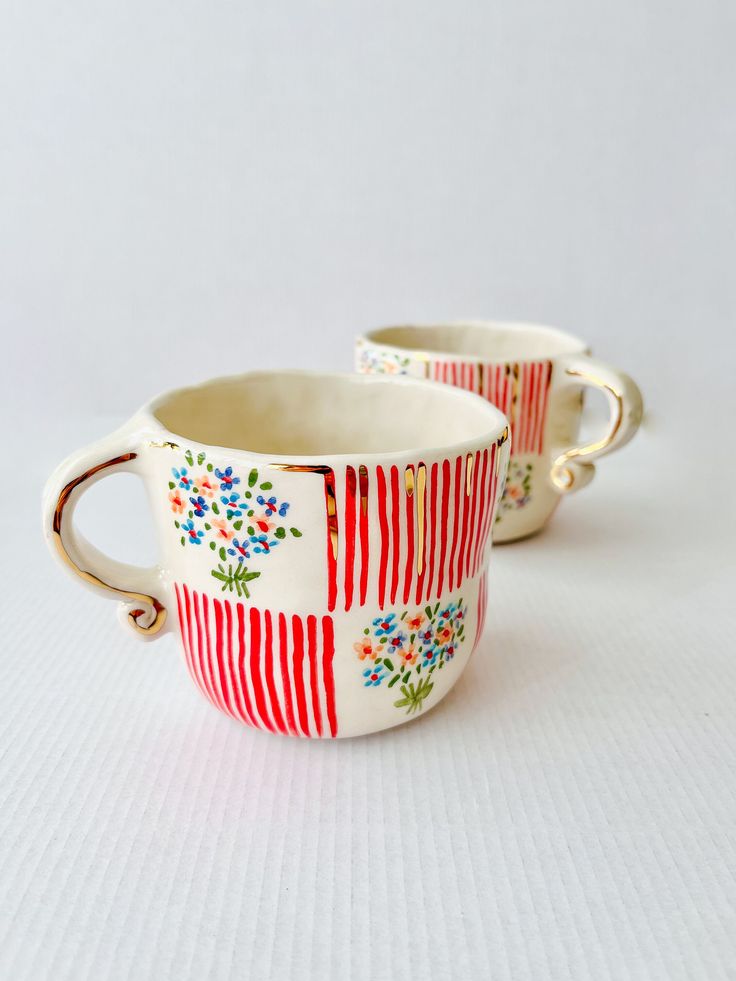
[
  {"x": 536, "y": 376},
  {"x": 323, "y": 540}
]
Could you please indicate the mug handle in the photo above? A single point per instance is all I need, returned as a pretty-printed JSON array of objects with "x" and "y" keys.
[
  {"x": 573, "y": 468},
  {"x": 138, "y": 588}
]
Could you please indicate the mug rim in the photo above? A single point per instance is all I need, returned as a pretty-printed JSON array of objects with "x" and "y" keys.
[
  {"x": 573, "y": 344},
  {"x": 498, "y": 426}
]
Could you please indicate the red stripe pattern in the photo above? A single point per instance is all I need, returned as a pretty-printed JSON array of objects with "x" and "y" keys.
[
  {"x": 430, "y": 530},
  {"x": 520, "y": 390},
  {"x": 268, "y": 670}
]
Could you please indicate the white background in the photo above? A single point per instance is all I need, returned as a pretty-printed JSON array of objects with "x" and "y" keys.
[{"x": 190, "y": 189}]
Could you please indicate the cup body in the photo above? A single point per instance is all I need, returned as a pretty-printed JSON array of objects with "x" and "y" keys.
[
  {"x": 319, "y": 593},
  {"x": 527, "y": 372}
]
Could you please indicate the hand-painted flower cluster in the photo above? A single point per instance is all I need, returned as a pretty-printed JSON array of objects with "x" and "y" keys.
[
  {"x": 398, "y": 648},
  {"x": 518, "y": 490},
  {"x": 371, "y": 361},
  {"x": 239, "y": 519}
]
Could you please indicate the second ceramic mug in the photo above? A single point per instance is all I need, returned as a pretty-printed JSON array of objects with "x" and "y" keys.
[
  {"x": 323, "y": 541},
  {"x": 536, "y": 376}
]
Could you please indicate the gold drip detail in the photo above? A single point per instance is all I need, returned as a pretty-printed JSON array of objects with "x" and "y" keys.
[
  {"x": 421, "y": 503},
  {"x": 409, "y": 480},
  {"x": 363, "y": 487},
  {"x": 328, "y": 474}
]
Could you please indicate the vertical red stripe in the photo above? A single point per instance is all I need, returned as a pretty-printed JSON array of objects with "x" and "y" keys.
[
  {"x": 545, "y": 401},
  {"x": 350, "y": 488},
  {"x": 232, "y": 666},
  {"x": 328, "y": 653},
  {"x": 383, "y": 525},
  {"x": 214, "y": 680},
  {"x": 286, "y": 680},
  {"x": 465, "y": 497},
  {"x": 242, "y": 654},
  {"x": 395, "y": 532},
  {"x": 190, "y": 632},
  {"x": 298, "y": 662},
  {"x": 422, "y": 545},
  {"x": 220, "y": 654},
  {"x": 473, "y": 513},
  {"x": 201, "y": 655},
  {"x": 409, "y": 567},
  {"x": 432, "y": 525},
  {"x": 458, "y": 493},
  {"x": 183, "y": 628},
  {"x": 446, "y": 478},
  {"x": 313, "y": 675},
  {"x": 256, "y": 677},
  {"x": 363, "y": 524},
  {"x": 482, "y": 504},
  {"x": 269, "y": 671}
]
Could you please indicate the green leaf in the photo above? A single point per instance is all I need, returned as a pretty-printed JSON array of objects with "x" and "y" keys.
[
  {"x": 207, "y": 527},
  {"x": 189, "y": 458},
  {"x": 252, "y": 478},
  {"x": 200, "y": 458},
  {"x": 237, "y": 525},
  {"x": 251, "y": 530},
  {"x": 280, "y": 533},
  {"x": 247, "y": 494},
  {"x": 223, "y": 554},
  {"x": 172, "y": 485},
  {"x": 295, "y": 532},
  {"x": 267, "y": 485},
  {"x": 428, "y": 611},
  {"x": 182, "y": 539},
  {"x": 213, "y": 546},
  {"x": 366, "y": 631},
  {"x": 215, "y": 507},
  {"x": 176, "y": 524},
  {"x": 394, "y": 680},
  {"x": 210, "y": 468},
  {"x": 389, "y": 664}
]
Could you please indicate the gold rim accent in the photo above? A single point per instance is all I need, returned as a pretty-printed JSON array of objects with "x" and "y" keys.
[
  {"x": 409, "y": 479},
  {"x": 563, "y": 476},
  {"x": 328, "y": 475},
  {"x": 89, "y": 577}
]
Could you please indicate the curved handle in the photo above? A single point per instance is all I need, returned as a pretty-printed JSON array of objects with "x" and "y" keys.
[
  {"x": 137, "y": 588},
  {"x": 573, "y": 468}
]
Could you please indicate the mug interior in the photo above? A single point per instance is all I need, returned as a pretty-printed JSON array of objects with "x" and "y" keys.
[
  {"x": 489, "y": 341},
  {"x": 309, "y": 414}
]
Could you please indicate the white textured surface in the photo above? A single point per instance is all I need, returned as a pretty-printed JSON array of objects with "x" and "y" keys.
[{"x": 568, "y": 811}]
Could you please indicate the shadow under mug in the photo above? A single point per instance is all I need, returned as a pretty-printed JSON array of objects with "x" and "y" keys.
[
  {"x": 536, "y": 376},
  {"x": 324, "y": 541}
]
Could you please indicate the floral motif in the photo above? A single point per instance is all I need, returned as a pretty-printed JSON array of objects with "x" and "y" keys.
[
  {"x": 214, "y": 512},
  {"x": 518, "y": 490},
  {"x": 398, "y": 647},
  {"x": 371, "y": 361}
]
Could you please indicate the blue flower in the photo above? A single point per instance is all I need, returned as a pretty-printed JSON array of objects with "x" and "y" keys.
[
  {"x": 182, "y": 476},
  {"x": 227, "y": 481},
  {"x": 384, "y": 625},
  {"x": 240, "y": 549},
  {"x": 430, "y": 655},
  {"x": 233, "y": 504},
  {"x": 397, "y": 640},
  {"x": 194, "y": 536},
  {"x": 262, "y": 544},
  {"x": 200, "y": 505},
  {"x": 270, "y": 505},
  {"x": 374, "y": 675}
]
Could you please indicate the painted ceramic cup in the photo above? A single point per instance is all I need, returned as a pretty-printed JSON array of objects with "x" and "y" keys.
[
  {"x": 323, "y": 539},
  {"x": 536, "y": 376}
]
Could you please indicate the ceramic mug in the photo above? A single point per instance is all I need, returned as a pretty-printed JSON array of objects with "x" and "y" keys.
[
  {"x": 536, "y": 376},
  {"x": 323, "y": 540}
]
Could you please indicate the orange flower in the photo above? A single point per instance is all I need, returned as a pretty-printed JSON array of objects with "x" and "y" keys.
[
  {"x": 366, "y": 649},
  {"x": 178, "y": 501},
  {"x": 415, "y": 622},
  {"x": 409, "y": 656},
  {"x": 207, "y": 485},
  {"x": 262, "y": 523},
  {"x": 513, "y": 491},
  {"x": 444, "y": 634},
  {"x": 223, "y": 532}
]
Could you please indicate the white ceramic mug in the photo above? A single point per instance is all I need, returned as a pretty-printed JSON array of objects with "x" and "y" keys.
[
  {"x": 323, "y": 538},
  {"x": 536, "y": 376}
]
